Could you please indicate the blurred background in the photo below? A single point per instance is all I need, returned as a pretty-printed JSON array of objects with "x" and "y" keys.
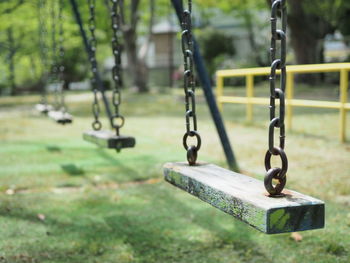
[
  {"x": 318, "y": 32},
  {"x": 65, "y": 200}
]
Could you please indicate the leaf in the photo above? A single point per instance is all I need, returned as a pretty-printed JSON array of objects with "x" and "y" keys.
[
  {"x": 10, "y": 192},
  {"x": 41, "y": 217},
  {"x": 296, "y": 237}
]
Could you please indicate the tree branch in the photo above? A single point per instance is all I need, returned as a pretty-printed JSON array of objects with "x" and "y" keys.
[{"x": 13, "y": 8}]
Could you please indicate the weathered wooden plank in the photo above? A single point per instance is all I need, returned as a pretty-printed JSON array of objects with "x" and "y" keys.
[
  {"x": 43, "y": 108},
  {"x": 60, "y": 117},
  {"x": 246, "y": 199},
  {"x": 107, "y": 139}
]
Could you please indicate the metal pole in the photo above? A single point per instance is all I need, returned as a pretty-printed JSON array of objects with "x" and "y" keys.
[
  {"x": 344, "y": 83},
  {"x": 250, "y": 95},
  {"x": 88, "y": 51},
  {"x": 209, "y": 96}
]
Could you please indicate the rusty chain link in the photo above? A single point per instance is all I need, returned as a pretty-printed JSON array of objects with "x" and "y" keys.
[
  {"x": 189, "y": 86},
  {"x": 117, "y": 118},
  {"x": 96, "y": 124},
  {"x": 278, "y": 9}
]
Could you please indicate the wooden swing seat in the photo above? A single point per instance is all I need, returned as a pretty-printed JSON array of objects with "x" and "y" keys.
[
  {"x": 108, "y": 139},
  {"x": 246, "y": 199},
  {"x": 60, "y": 117},
  {"x": 43, "y": 108}
]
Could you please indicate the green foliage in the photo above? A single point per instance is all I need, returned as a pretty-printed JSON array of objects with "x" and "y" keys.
[
  {"x": 216, "y": 46},
  {"x": 343, "y": 18},
  {"x": 23, "y": 20},
  {"x": 232, "y": 5},
  {"x": 332, "y": 11},
  {"x": 22, "y": 17}
]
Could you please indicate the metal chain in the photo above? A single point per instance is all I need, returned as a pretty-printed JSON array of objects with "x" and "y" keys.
[
  {"x": 43, "y": 46},
  {"x": 61, "y": 54},
  {"x": 189, "y": 86},
  {"x": 96, "y": 124},
  {"x": 53, "y": 41},
  {"x": 54, "y": 58},
  {"x": 117, "y": 119},
  {"x": 278, "y": 9}
]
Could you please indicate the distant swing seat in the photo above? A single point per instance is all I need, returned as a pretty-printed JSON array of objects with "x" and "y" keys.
[
  {"x": 246, "y": 199},
  {"x": 61, "y": 117},
  {"x": 43, "y": 108},
  {"x": 108, "y": 139}
]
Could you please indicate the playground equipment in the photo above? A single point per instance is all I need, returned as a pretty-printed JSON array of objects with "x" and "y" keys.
[
  {"x": 43, "y": 106},
  {"x": 100, "y": 137},
  {"x": 249, "y": 73},
  {"x": 59, "y": 114},
  {"x": 58, "y": 111},
  {"x": 202, "y": 76},
  {"x": 270, "y": 210}
]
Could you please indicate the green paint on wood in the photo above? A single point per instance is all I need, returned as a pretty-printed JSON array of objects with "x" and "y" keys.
[{"x": 279, "y": 219}]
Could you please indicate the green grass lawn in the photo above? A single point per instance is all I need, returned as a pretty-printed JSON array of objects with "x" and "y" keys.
[{"x": 65, "y": 200}]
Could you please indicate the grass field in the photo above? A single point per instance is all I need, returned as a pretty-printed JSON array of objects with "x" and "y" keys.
[{"x": 64, "y": 200}]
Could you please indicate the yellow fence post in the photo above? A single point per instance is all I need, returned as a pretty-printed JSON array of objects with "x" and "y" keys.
[
  {"x": 219, "y": 90},
  {"x": 290, "y": 94},
  {"x": 250, "y": 95},
  {"x": 344, "y": 80},
  {"x": 342, "y": 105}
]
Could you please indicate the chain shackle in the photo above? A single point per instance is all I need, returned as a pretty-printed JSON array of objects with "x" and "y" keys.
[
  {"x": 278, "y": 9},
  {"x": 187, "y": 46},
  {"x": 273, "y": 173},
  {"x": 117, "y": 120}
]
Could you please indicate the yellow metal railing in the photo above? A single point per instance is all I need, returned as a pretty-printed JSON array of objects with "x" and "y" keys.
[{"x": 250, "y": 100}]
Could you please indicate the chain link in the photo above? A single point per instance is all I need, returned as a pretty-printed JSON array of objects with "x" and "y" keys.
[
  {"x": 117, "y": 118},
  {"x": 61, "y": 54},
  {"x": 189, "y": 86},
  {"x": 54, "y": 57},
  {"x": 96, "y": 124},
  {"x": 53, "y": 41},
  {"x": 278, "y": 8},
  {"x": 43, "y": 46}
]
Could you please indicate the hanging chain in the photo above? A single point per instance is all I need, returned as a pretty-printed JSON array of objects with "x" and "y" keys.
[
  {"x": 189, "y": 86},
  {"x": 96, "y": 124},
  {"x": 54, "y": 70},
  {"x": 117, "y": 118},
  {"x": 278, "y": 8},
  {"x": 54, "y": 58},
  {"x": 61, "y": 53},
  {"x": 43, "y": 46}
]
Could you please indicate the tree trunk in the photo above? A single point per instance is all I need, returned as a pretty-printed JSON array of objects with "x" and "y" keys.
[
  {"x": 307, "y": 32},
  {"x": 11, "y": 61},
  {"x": 137, "y": 66},
  {"x": 247, "y": 16},
  {"x": 303, "y": 39}
]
